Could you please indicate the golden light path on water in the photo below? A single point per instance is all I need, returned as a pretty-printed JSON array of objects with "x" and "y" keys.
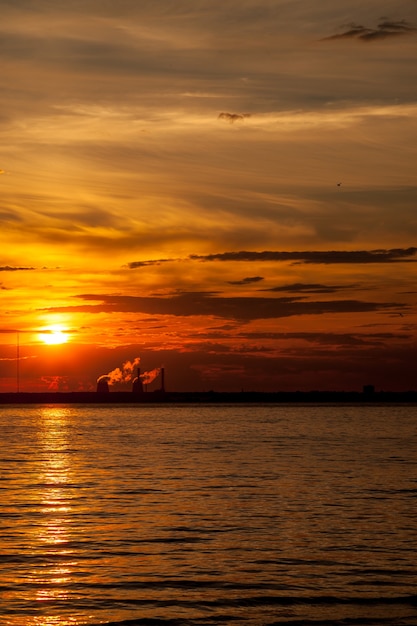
[{"x": 52, "y": 536}]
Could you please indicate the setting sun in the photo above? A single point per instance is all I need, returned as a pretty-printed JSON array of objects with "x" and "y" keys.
[{"x": 54, "y": 335}]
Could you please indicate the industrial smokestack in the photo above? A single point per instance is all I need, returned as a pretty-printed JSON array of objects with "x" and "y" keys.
[
  {"x": 103, "y": 385},
  {"x": 137, "y": 384},
  {"x": 163, "y": 379}
]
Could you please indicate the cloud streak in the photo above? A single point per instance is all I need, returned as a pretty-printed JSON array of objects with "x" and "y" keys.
[
  {"x": 246, "y": 281},
  {"x": 139, "y": 264},
  {"x": 385, "y": 29},
  {"x": 330, "y": 257},
  {"x": 307, "y": 288},
  {"x": 8, "y": 268},
  {"x": 309, "y": 257}
]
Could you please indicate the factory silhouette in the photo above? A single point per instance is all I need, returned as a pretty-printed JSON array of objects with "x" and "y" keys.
[
  {"x": 139, "y": 384},
  {"x": 108, "y": 392}
]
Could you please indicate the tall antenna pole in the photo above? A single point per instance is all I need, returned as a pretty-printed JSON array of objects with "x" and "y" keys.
[{"x": 17, "y": 362}]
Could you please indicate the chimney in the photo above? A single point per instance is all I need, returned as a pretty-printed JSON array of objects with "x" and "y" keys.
[
  {"x": 137, "y": 386},
  {"x": 103, "y": 385},
  {"x": 162, "y": 379}
]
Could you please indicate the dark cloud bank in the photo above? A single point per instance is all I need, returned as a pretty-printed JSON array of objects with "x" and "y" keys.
[
  {"x": 327, "y": 257},
  {"x": 210, "y": 304},
  {"x": 395, "y": 255}
]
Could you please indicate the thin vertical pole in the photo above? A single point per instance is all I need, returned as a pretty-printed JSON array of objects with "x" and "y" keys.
[{"x": 17, "y": 363}]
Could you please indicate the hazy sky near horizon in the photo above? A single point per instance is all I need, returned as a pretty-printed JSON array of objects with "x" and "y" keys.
[{"x": 224, "y": 188}]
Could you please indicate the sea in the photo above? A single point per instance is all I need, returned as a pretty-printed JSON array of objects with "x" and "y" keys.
[{"x": 200, "y": 515}]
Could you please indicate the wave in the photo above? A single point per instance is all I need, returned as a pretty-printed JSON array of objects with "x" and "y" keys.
[
  {"x": 331, "y": 602},
  {"x": 229, "y": 619}
]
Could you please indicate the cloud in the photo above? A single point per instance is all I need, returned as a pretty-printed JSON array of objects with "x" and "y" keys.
[
  {"x": 213, "y": 305},
  {"x": 246, "y": 281},
  {"x": 327, "y": 257},
  {"x": 8, "y": 268},
  {"x": 386, "y": 28},
  {"x": 138, "y": 264},
  {"x": 233, "y": 117},
  {"x": 396, "y": 255},
  {"x": 334, "y": 339},
  {"x": 309, "y": 288}
]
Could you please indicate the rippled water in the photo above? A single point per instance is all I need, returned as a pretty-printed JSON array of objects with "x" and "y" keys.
[{"x": 200, "y": 515}]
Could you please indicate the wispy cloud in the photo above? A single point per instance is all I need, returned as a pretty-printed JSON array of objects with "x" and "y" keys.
[
  {"x": 333, "y": 339},
  {"x": 9, "y": 268},
  {"x": 308, "y": 288},
  {"x": 233, "y": 117},
  {"x": 139, "y": 264},
  {"x": 386, "y": 28},
  {"x": 324, "y": 257},
  {"x": 397, "y": 255},
  {"x": 246, "y": 281}
]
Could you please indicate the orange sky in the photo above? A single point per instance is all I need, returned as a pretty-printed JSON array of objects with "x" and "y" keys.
[{"x": 225, "y": 189}]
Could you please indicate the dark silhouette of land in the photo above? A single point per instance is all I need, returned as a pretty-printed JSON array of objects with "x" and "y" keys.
[{"x": 368, "y": 395}]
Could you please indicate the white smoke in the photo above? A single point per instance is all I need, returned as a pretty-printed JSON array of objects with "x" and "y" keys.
[
  {"x": 148, "y": 377},
  {"x": 123, "y": 374}
]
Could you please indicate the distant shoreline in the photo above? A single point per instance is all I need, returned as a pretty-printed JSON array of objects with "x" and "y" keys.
[{"x": 209, "y": 397}]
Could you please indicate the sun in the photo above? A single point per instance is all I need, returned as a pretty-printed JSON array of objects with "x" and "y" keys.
[{"x": 54, "y": 335}]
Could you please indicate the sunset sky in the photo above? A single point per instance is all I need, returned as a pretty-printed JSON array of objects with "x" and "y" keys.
[{"x": 224, "y": 188}]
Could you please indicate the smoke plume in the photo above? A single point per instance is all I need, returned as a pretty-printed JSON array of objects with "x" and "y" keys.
[
  {"x": 123, "y": 374},
  {"x": 56, "y": 383},
  {"x": 148, "y": 377}
]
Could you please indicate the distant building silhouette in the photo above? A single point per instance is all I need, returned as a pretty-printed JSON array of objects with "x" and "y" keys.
[
  {"x": 368, "y": 389},
  {"x": 103, "y": 385},
  {"x": 137, "y": 386}
]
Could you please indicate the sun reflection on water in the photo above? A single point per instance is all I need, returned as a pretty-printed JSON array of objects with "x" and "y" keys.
[
  {"x": 52, "y": 534},
  {"x": 53, "y": 620}
]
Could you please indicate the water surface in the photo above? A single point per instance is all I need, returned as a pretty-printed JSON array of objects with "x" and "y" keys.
[{"x": 201, "y": 515}]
